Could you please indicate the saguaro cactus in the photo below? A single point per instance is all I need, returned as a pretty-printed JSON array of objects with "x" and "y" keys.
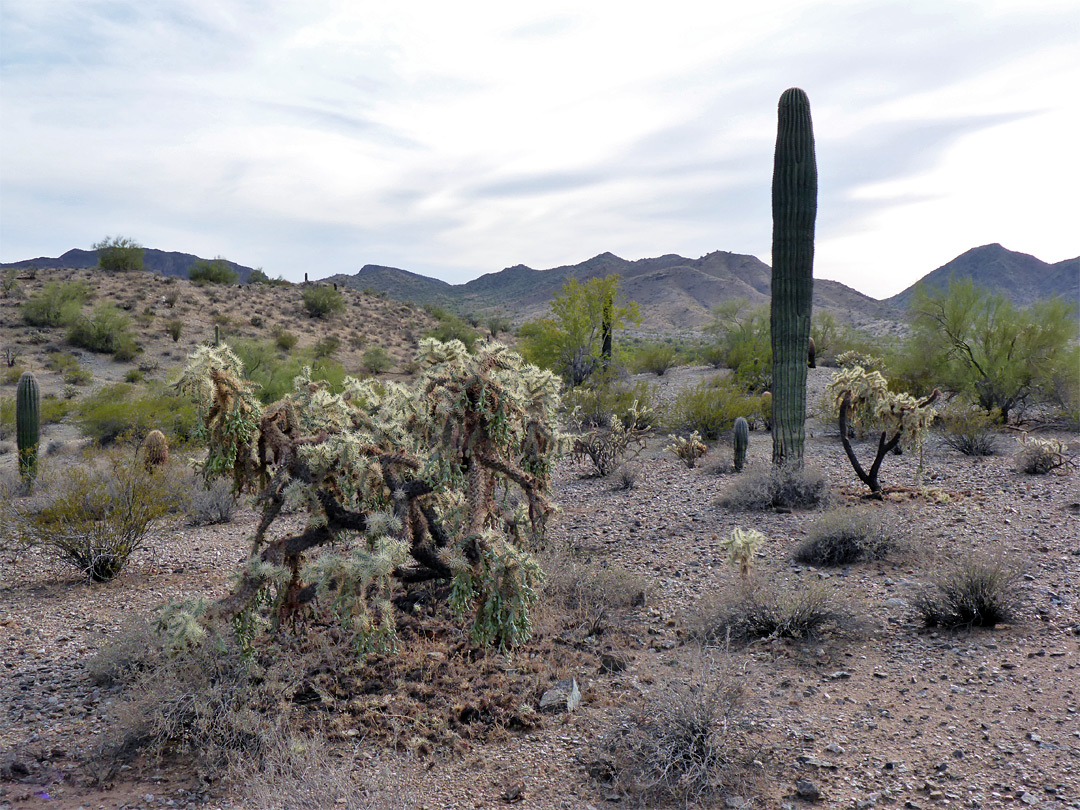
[
  {"x": 794, "y": 208},
  {"x": 741, "y": 442},
  {"x": 27, "y": 424}
]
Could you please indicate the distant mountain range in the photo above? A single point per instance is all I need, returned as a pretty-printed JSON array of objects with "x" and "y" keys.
[
  {"x": 678, "y": 293},
  {"x": 674, "y": 293},
  {"x": 165, "y": 263}
]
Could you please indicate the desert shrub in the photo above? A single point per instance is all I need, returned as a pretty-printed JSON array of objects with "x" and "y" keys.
[
  {"x": 67, "y": 364},
  {"x": 326, "y": 347},
  {"x": 376, "y": 360},
  {"x": 784, "y": 487},
  {"x": 968, "y": 428},
  {"x": 133, "y": 375},
  {"x": 681, "y": 746},
  {"x": 321, "y": 301},
  {"x": 655, "y": 358},
  {"x": 578, "y": 585},
  {"x": 1041, "y": 456},
  {"x": 57, "y": 304},
  {"x": 97, "y": 514},
  {"x": 205, "y": 703},
  {"x": 605, "y": 395},
  {"x": 55, "y": 409},
  {"x": 626, "y": 476},
  {"x": 451, "y": 327},
  {"x": 115, "y": 410},
  {"x": 217, "y": 271},
  {"x": 753, "y": 610},
  {"x": 605, "y": 448},
  {"x": 105, "y": 330},
  {"x": 710, "y": 407},
  {"x": 173, "y": 328},
  {"x": 976, "y": 591},
  {"x": 119, "y": 254},
  {"x": 284, "y": 339},
  {"x": 845, "y": 536},
  {"x": 210, "y": 503}
]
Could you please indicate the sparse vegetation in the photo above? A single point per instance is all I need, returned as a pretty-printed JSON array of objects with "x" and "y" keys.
[
  {"x": 57, "y": 304},
  {"x": 969, "y": 429},
  {"x": 217, "y": 271},
  {"x": 710, "y": 408},
  {"x": 977, "y": 591},
  {"x": 1041, "y": 456},
  {"x": 322, "y": 301},
  {"x": 754, "y": 610},
  {"x": 846, "y": 536},
  {"x": 776, "y": 488},
  {"x": 106, "y": 330}
]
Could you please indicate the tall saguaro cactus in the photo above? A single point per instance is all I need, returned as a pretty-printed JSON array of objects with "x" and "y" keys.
[
  {"x": 27, "y": 424},
  {"x": 794, "y": 208}
]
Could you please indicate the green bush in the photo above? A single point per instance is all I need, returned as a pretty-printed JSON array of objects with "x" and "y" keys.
[
  {"x": 284, "y": 339},
  {"x": 57, "y": 304},
  {"x": 322, "y": 301},
  {"x": 711, "y": 408},
  {"x": 173, "y": 328},
  {"x": 654, "y": 358},
  {"x": 968, "y": 428},
  {"x": 217, "y": 271},
  {"x": 274, "y": 374},
  {"x": 120, "y": 409},
  {"x": 118, "y": 254},
  {"x": 451, "y": 327},
  {"x": 376, "y": 360},
  {"x": 105, "y": 330},
  {"x": 68, "y": 365},
  {"x": 606, "y": 395},
  {"x": 96, "y": 515}
]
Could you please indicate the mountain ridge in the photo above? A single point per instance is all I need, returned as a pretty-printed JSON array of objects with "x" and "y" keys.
[{"x": 163, "y": 262}]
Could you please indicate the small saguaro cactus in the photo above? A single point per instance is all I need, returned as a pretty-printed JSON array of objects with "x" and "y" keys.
[
  {"x": 811, "y": 354},
  {"x": 794, "y": 210},
  {"x": 27, "y": 424},
  {"x": 155, "y": 450},
  {"x": 741, "y": 442}
]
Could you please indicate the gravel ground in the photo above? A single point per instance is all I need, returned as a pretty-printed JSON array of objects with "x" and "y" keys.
[{"x": 890, "y": 715}]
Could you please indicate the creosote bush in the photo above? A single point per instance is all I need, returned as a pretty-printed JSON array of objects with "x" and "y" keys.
[
  {"x": 784, "y": 487},
  {"x": 322, "y": 301},
  {"x": 711, "y": 407},
  {"x": 968, "y": 428},
  {"x": 846, "y": 536},
  {"x": 977, "y": 591},
  {"x": 95, "y": 515}
]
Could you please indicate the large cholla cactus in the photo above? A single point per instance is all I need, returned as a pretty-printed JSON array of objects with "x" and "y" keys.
[
  {"x": 443, "y": 479},
  {"x": 863, "y": 401}
]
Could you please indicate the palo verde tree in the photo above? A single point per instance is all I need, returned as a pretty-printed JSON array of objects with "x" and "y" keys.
[
  {"x": 119, "y": 254},
  {"x": 974, "y": 341},
  {"x": 445, "y": 479},
  {"x": 577, "y": 338},
  {"x": 794, "y": 210}
]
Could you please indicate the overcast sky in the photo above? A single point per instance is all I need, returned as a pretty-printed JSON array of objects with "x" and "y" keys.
[{"x": 454, "y": 139}]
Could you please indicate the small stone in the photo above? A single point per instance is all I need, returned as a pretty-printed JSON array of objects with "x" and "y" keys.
[
  {"x": 563, "y": 696},
  {"x": 833, "y": 748},
  {"x": 807, "y": 790},
  {"x": 1029, "y": 798}
]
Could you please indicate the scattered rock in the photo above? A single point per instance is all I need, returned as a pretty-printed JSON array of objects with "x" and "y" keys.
[
  {"x": 807, "y": 790},
  {"x": 562, "y": 697}
]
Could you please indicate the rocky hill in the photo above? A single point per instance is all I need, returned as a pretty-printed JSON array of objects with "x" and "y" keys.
[
  {"x": 674, "y": 293},
  {"x": 1022, "y": 278},
  {"x": 162, "y": 262}
]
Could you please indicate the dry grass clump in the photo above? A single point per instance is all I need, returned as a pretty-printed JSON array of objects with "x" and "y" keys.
[
  {"x": 683, "y": 745},
  {"x": 785, "y": 487},
  {"x": 210, "y": 504},
  {"x": 976, "y": 591},
  {"x": 755, "y": 610},
  {"x": 846, "y": 536}
]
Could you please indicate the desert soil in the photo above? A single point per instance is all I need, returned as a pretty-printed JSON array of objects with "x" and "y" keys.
[{"x": 890, "y": 714}]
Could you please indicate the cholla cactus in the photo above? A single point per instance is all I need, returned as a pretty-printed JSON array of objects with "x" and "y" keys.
[
  {"x": 688, "y": 448},
  {"x": 410, "y": 482},
  {"x": 741, "y": 545},
  {"x": 863, "y": 400},
  {"x": 1040, "y": 456}
]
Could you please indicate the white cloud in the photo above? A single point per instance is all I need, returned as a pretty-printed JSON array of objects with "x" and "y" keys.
[{"x": 455, "y": 139}]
